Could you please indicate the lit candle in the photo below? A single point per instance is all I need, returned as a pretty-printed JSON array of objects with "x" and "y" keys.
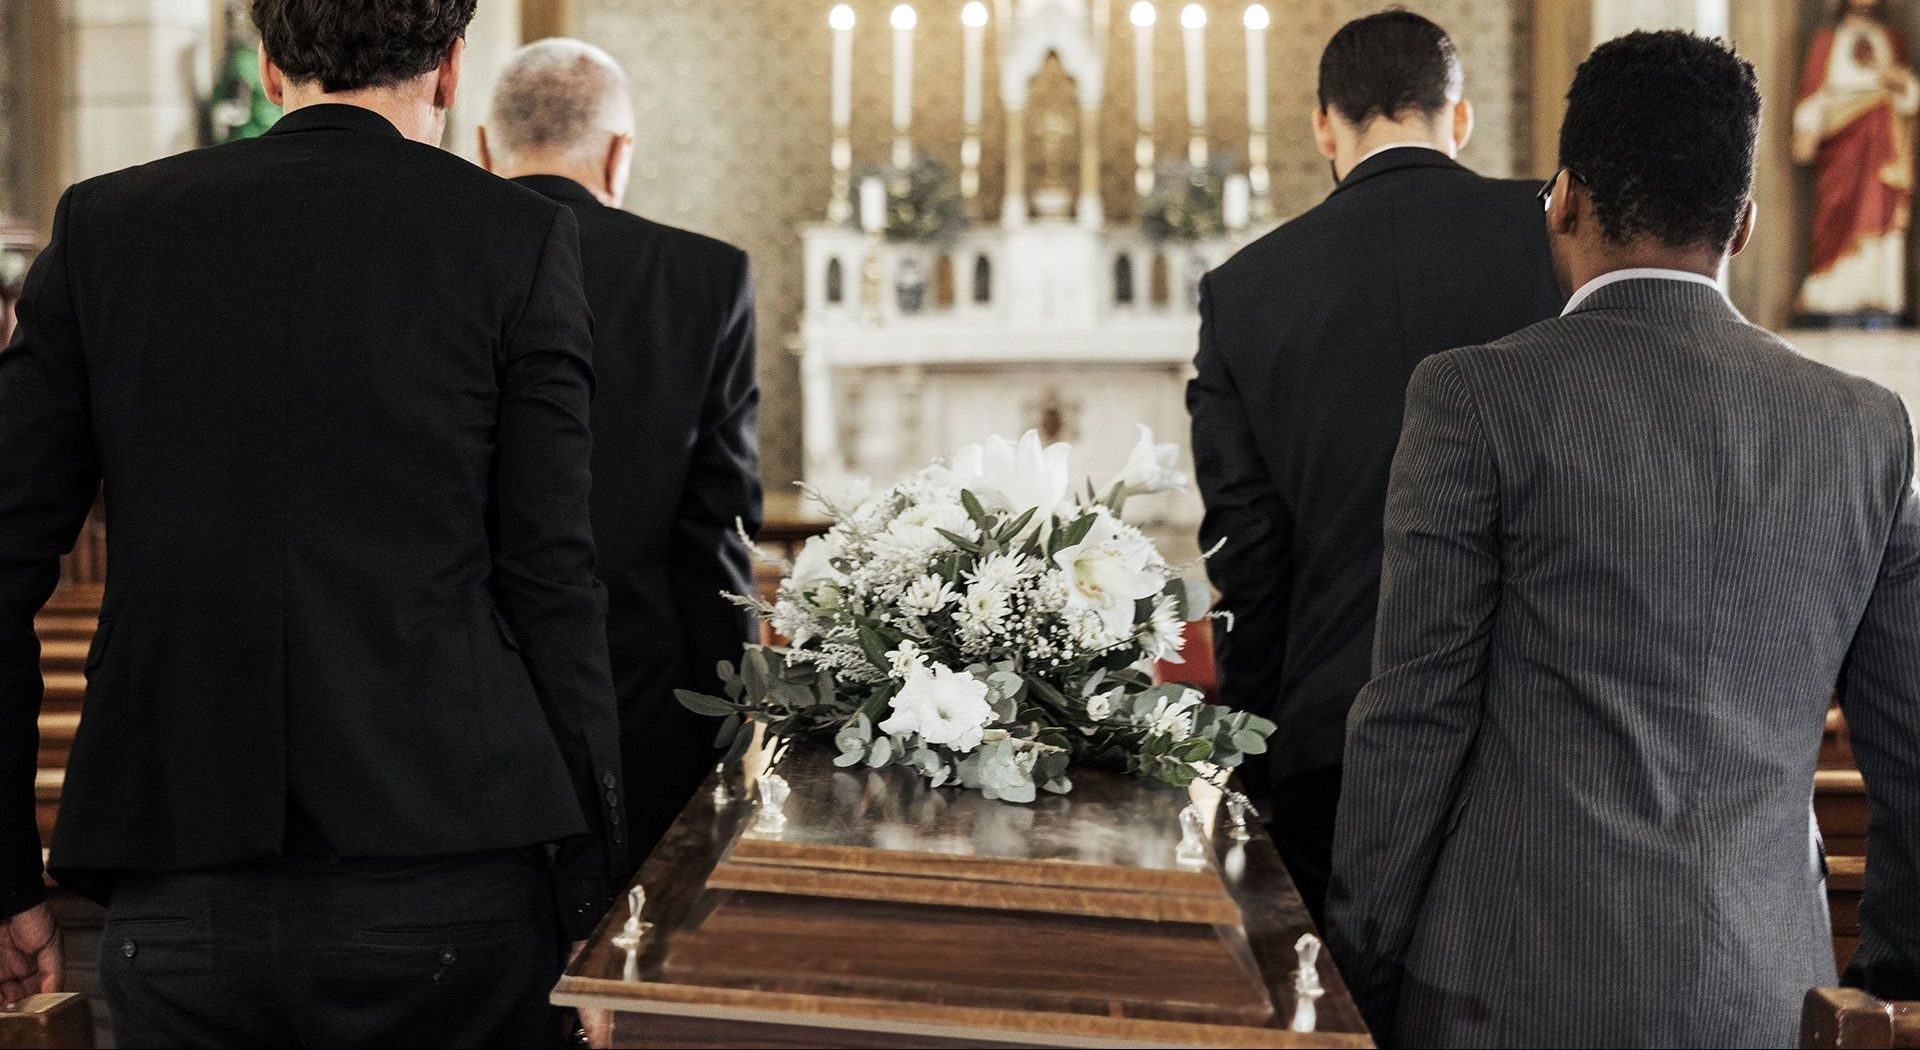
[
  {"x": 1257, "y": 22},
  {"x": 840, "y": 20},
  {"x": 873, "y": 204},
  {"x": 903, "y": 22},
  {"x": 1143, "y": 17},
  {"x": 1236, "y": 203},
  {"x": 973, "y": 22},
  {"x": 1193, "y": 19}
]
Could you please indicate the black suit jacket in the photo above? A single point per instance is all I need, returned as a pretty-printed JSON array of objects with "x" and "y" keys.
[
  {"x": 1308, "y": 337},
  {"x": 676, "y": 467},
  {"x": 336, "y": 384}
]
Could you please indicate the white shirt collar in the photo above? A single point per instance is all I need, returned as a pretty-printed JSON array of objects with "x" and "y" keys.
[
  {"x": 1634, "y": 273},
  {"x": 1376, "y": 151}
]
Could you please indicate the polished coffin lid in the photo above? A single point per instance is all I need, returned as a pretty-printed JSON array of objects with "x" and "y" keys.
[{"x": 883, "y": 905}]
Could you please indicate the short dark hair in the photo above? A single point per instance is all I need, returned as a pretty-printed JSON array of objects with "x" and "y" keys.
[
  {"x": 1387, "y": 64},
  {"x": 1661, "y": 128},
  {"x": 347, "y": 45}
]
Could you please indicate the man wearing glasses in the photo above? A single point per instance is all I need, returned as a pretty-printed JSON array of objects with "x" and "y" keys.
[
  {"x": 1307, "y": 339},
  {"x": 1631, "y": 554}
]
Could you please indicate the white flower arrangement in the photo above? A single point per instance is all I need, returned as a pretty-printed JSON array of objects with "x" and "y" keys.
[{"x": 983, "y": 626}]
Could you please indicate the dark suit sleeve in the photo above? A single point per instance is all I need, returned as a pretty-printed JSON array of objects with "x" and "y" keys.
[
  {"x": 49, "y": 474},
  {"x": 1413, "y": 726},
  {"x": 543, "y": 558},
  {"x": 721, "y": 497},
  {"x": 1246, "y": 518},
  {"x": 1880, "y": 694}
]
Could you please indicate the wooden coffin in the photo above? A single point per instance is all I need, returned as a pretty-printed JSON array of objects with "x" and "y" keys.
[{"x": 888, "y": 913}]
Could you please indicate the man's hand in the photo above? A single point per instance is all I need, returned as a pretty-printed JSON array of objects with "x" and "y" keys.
[{"x": 29, "y": 954}]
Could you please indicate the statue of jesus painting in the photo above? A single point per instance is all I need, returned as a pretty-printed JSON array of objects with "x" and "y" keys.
[{"x": 1853, "y": 120}]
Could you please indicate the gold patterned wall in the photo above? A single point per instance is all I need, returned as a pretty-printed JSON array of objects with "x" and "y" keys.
[{"x": 733, "y": 113}]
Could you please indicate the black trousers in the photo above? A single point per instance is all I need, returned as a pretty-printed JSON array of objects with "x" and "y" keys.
[
  {"x": 1299, "y": 812},
  {"x": 451, "y": 951}
]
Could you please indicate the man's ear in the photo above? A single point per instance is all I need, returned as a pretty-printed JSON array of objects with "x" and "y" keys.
[
  {"x": 1462, "y": 124},
  {"x": 1323, "y": 133},
  {"x": 272, "y": 80},
  {"x": 480, "y": 142},
  {"x": 1567, "y": 207},
  {"x": 1745, "y": 233},
  {"x": 619, "y": 157},
  {"x": 446, "y": 79}
]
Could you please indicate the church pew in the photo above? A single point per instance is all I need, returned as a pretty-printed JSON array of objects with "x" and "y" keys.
[
  {"x": 57, "y": 729},
  {"x": 1836, "y": 750},
  {"x": 1849, "y": 1017},
  {"x": 46, "y": 799},
  {"x": 1840, "y": 805},
  {"x": 1846, "y": 878}
]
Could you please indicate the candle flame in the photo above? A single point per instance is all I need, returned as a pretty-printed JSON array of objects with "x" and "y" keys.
[
  {"x": 1257, "y": 17},
  {"x": 974, "y": 14},
  {"x": 1143, "y": 14},
  {"x": 904, "y": 18},
  {"x": 1193, "y": 16},
  {"x": 841, "y": 17}
]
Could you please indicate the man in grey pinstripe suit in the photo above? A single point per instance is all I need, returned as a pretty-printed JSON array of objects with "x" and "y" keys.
[{"x": 1630, "y": 553}]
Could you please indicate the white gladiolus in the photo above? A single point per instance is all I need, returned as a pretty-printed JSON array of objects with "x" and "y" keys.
[
  {"x": 814, "y": 565},
  {"x": 1108, "y": 571},
  {"x": 943, "y": 706},
  {"x": 1151, "y": 467}
]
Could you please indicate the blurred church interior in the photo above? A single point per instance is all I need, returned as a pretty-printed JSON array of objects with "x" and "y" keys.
[{"x": 1038, "y": 248}]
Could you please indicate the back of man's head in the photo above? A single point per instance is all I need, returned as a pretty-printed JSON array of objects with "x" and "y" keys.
[
  {"x": 1393, "y": 65},
  {"x": 1661, "y": 130},
  {"x": 352, "y": 45},
  {"x": 557, "y": 104}
]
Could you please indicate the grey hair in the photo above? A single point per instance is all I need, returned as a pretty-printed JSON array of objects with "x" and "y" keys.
[{"x": 554, "y": 99}]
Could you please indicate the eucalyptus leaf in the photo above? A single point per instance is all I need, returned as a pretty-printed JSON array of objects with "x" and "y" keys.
[{"x": 702, "y": 704}]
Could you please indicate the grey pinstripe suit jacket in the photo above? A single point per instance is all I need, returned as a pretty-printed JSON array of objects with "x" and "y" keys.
[{"x": 1630, "y": 553}]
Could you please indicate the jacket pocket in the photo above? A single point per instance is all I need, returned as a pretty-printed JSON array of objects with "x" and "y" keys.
[{"x": 97, "y": 649}]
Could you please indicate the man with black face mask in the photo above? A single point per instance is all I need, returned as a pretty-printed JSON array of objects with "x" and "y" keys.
[{"x": 1308, "y": 337}]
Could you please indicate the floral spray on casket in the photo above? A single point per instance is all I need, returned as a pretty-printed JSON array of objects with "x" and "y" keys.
[{"x": 988, "y": 628}]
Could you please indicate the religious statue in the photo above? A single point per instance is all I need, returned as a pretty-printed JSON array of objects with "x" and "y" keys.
[{"x": 1853, "y": 120}]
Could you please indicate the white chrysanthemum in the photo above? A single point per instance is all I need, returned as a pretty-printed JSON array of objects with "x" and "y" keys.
[
  {"x": 1002, "y": 571},
  {"x": 985, "y": 609},
  {"x": 927, "y": 595},
  {"x": 907, "y": 659},
  {"x": 1166, "y": 633},
  {"x": 1174, "y": 718},
  {"x": 943, "y": 706}
]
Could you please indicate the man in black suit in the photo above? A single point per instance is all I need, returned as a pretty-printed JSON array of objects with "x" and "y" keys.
[
  {"x": 1307, "y": 339},
  {"x": 676, "y": 456},
  {"x": 349, "y": 724}
]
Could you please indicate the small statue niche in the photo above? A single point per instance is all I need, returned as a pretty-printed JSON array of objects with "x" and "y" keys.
[
  {"x": 982, "y": 279},
  {"x": 1159, "y": 291},
  {"x": 836, "y": 282},
  {"x": 943, "y": 282},
  {"x": 1123, "y": 280}
]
